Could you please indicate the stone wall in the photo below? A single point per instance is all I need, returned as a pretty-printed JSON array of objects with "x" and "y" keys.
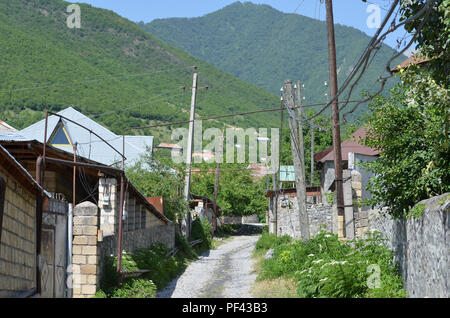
[
  {"x": 140, "y": 239},
  {"x": 421, "y": 246},
  {"x": 17, "y": 246},
  {"x": 288, "y": 223},
  {"x": 238, "y": 219}
]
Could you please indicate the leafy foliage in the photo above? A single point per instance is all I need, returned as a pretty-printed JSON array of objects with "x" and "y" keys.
[
  {"x": 110, "y": 70},
  {"x": 265, "y": 47},
  {"x": 411, "y": 128},
  {"x": 239, "y": 193},
  {"x": 201, "y": 230},
  {"x": 326, "y": 267},
  {"x": 162, "y": 268},
  {"x": 157, "y": 176},
  {"x": 433, "y": 40}
]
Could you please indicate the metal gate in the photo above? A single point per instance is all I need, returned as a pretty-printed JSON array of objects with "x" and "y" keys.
[{"x": 53, "y": 258}]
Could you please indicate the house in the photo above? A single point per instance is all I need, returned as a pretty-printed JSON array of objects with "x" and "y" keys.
[
  {"x": 64, "y": 134},
  {"x": 94, "y": 181},
  {"x": 353, "y": 154},
  {"x": 19, "y": 228}
]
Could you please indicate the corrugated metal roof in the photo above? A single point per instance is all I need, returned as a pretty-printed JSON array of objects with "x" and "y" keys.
[
  {"x": 5, "y": 127},
  {"x": 88, "y": 145},
  {"x": 350, "y": 145},
  {"x": 23, "y": 170},
  {"x": 12, "y": 136}
]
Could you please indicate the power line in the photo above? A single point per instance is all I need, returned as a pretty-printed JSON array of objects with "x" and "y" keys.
[
  {"x": 376, "y": 40},
  {"x": 228, "y": 115}
]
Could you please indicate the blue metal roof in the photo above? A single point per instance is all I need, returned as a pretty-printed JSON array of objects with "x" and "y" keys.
[{"x": 88, "y": 145}]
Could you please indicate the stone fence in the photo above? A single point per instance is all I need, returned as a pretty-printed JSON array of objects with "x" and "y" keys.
[
  {"x": 89, "y": 248},
  {"x": 420, "y": 246}
]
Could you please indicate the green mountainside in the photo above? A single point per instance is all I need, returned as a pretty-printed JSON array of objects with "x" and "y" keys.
[
  {"x": 110, "y": 70},
  {"x": 264, "y": 46}
]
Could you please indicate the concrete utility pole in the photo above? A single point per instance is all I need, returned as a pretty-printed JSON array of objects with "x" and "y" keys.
[
  {"x": 335, "y": 112},
  {"x": 300, "y": 126},
  {"x": 216, "y": 185},
  {"x": 311, "y": 127},
  {"x": 187, "y": 184},
  {"x": 300, "y": 181}
]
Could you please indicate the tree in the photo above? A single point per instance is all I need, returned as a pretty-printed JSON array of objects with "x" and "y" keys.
[
  {"x": 158, "y": 176},
  {"x": 410, "y": 128},
  {"x": 239, "y": 193},
  {"x": 433, "y": 39}
]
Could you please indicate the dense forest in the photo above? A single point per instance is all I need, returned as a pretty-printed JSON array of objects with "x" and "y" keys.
[
  {"x": 264, "y": 46},
  {"x": 110, "y": 70}
]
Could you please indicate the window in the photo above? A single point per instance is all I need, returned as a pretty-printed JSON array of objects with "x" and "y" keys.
[{"x": 60, "y": 137}]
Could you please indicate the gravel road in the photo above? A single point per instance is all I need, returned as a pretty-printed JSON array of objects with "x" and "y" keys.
[{"x": 225, "y": 272}]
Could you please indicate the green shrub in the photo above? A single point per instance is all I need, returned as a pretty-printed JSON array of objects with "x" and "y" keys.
[
  {"x": 268, "y": 241},
  {"x": 327, "y": 267},
  {"x": 162, "y": 269},
  {"x": 136, "y": 288},
  {"x": 201, "y": 229}
]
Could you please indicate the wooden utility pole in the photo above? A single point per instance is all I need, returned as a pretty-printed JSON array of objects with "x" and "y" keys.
[
  {"x": 300, "y": 181},
  {"x": 335, "y": 112},
  {"x": 187, "y": 184}
]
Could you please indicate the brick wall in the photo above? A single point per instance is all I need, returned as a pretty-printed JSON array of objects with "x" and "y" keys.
[
  {"x": 17, "y": 247},
  {"x": 85, "y": 253}
]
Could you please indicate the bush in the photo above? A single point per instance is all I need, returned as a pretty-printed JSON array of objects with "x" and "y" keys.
[
  {"x": 201, "y": 229},
  {"x": 162, "y": 270},
  {"x": 136, "y": 288},
  {"x": 326, "y": 267},
  {"x": 268, "y": 241}
]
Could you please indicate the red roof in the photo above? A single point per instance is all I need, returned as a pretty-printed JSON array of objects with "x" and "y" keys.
[
  {"x": 352, "y": 144},
  {"x": 412, "y": 60}
]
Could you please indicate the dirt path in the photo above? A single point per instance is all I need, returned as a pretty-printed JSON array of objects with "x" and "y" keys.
[{"x": 225, "y": 272}]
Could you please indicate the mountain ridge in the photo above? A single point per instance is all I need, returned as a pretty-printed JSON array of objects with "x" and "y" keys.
[
  {"x": 264, "y": 46},
  {"x": 110, "y": 70}
]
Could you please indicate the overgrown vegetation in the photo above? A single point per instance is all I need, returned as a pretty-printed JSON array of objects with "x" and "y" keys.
[
  {"x": 327, "y": 267},
  {"x": 412, "y": 129}
]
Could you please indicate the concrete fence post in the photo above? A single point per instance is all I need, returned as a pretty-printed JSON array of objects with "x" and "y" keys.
[{"x": 85, "y": 252}]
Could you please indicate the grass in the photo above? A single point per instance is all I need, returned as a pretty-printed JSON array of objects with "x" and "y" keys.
[
  {"x": 281, "y": 287},
  {"x": 326, "y": 267}
]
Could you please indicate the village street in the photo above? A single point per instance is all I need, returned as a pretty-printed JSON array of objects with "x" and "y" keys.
[{"x": 224, "y": 272}]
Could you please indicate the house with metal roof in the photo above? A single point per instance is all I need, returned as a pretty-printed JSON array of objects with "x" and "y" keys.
[{"x": 64, "y": 135}]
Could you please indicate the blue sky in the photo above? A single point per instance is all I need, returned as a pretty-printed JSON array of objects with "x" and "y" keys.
[{"x": 347, "y": 12}]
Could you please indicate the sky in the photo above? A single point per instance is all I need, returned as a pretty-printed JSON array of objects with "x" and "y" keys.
[{"x": 346, "y": 12}]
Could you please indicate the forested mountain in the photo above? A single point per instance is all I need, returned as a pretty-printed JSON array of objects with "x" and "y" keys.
[
  {"x": 109, "y": 69},
  {"x": 264, "y": 46}
]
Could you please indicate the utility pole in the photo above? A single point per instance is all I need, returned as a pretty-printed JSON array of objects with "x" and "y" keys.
[
  {"x": 335, "y": 112},
  {"x": 300, "y": 126},
  {"x": 216, "y": 185},
  {"x": 311, "y": 127},
  {"x": 187, "y": 184},
  {"x": 300, "y": 181}
]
